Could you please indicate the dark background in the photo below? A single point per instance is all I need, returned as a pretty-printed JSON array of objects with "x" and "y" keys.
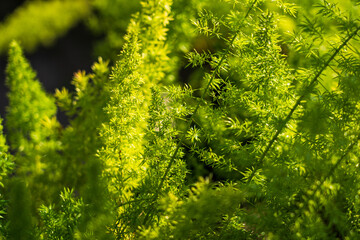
[{"x": 54, "y": 65}]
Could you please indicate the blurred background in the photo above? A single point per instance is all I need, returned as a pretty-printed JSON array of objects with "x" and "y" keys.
[{"x": 61, "y": 37}]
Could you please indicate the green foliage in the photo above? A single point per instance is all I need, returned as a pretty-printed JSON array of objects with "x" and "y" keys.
[
  {"x": 110, "y": 18},
  {"x": 61, "y": 224},
  {"x": 20, "y": 219},
  {"x": 219, "y": 120},
  {"x": 37, "y": 22},
  {"x": 98, "y": 211},
  {"x": 33, "y": 128},
  {"x": 30, "y": 107},
  {"x": 133, "y": 169},
  {"x": 80, "y": 140},
  {"x": 204, "y": 214},
  {"x": 6, "y": 167},
  {"x": 6, "y": 164}
]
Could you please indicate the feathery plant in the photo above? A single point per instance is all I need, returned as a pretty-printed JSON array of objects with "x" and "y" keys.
[
  {"x": 219, "y": 120},
  {"x": 6, "y": 169},
  {"x": 6, "y": 159},
  {"x": 33, "y": 127}
]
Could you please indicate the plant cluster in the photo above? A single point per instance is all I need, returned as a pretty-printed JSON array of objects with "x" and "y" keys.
[{"x": 218, "y": 120}]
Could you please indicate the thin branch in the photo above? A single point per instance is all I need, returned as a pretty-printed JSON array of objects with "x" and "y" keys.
[{"x": 297, "y": 104}]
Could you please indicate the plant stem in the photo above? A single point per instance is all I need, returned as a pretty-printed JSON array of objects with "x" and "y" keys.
[{"x": 297, "y": 103}]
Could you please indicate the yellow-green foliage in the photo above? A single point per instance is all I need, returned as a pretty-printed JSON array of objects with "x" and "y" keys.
[
  {"x": 6, "y": 163},
  {"x": 195, "y": 217},
  {"x": 269, "y": 118},
  {"x": 61, "y": 223},
  {"x": 30, "y": 117},
  {"x": 141, "y": 66},
  {"x": 85, "y": 108},
  {"x": 32, "y": 123},
  {"x": 30, "y": 108},
  {"x": 6, "y": 167},
  {"x": 41, "y": 22},
  {"x": 124, "y": 109}
]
